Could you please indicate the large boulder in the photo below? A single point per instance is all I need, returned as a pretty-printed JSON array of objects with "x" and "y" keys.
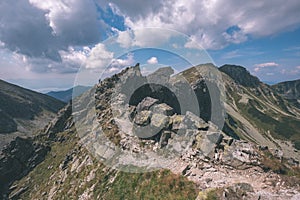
[
  {"x": 207, "y": 142},
  {"x": 146, "y": 104},
  {"x": 192, "y": 121},
  {"x": 214, "y": 137}
]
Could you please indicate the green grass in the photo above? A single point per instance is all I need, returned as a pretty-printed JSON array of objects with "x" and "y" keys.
[
  {"x": 285, "y": 128},
  {"x": 35, "y": 180},
  {"x": 151, "y": 185}
]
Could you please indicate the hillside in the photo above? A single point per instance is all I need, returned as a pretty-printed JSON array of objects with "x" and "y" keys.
[
  {"x": 67, "y": 95},
  {"x": 264, "y": 115},
  {"x": 23, "y": 111},
  {"x": 136, "y": 137},
  {"x": 289, "y": 89}
]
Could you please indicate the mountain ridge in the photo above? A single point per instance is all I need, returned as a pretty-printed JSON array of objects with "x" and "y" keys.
[{"x": 253, "y": 166}]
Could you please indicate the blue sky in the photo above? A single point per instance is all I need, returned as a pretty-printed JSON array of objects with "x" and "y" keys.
[{"x": 54, "y": 44}]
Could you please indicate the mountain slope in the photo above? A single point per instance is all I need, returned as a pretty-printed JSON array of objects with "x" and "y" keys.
[
  {"x": 66, "y": 95},
  {"x": 260, "y": 110},
  {"x": 96, "y": 154},
  {"x": 289, "y": 89},
  {"x": 23, "y": 111}
]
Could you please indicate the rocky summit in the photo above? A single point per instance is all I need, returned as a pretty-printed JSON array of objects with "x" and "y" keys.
[{"x": 198, "y": 134}]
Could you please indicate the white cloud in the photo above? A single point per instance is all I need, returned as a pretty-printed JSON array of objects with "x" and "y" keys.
[
  {"x": 192, "y": 43},
  {"x": 143, "y": 37},
  {"x": 2, "y": 44},
  {"x": 268, "y": 64},
  {"x": 124, "y": 39},
  {"x": 235, "y": 37},
  {"x": 152, "y": 60},
  {"x": 258, "y": 67},
  {"x": 119, "y": 63},
  {"x": 99, "y": 57},
  {"x": 210, "y": 21},
  {"x": 74, "y": 21}
]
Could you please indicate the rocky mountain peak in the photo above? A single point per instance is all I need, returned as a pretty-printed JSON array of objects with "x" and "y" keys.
[{"x": 240, "y": 75}]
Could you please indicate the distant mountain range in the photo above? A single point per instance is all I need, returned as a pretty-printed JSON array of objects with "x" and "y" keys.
[
  {"x": 66, "y": 95},
  {"x": 23, "y": 111},
  {"x": 289, "y": 89}
]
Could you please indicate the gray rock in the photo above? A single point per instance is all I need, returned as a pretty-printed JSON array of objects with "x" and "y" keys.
[
  {"x": 146, "y": 103},
  {"x": 143, "y": 118},
  {"x": 159, "y": 120},
  {"x": 176, "y": 121},
  {"x": 157, "y": 123},
  {"x": 238, "y": 191},
  {"x": 163, "y": 108},
  {"x": 208, "y": 141},
  {"x": 160, "y": 76},
  {"x": 214, "y": 137},
  {"x": 194, "y": 122},
  {"x": 165, "y": 136}
]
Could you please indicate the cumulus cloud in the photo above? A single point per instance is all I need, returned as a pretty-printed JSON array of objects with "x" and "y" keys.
[
  {"x": 143, "y": 37},
  {"x": 75, "y": 22},
  {"x": 211, "y": 22},
  {"x": 260, "y": 66},
  {"x": 25, "y": 29},
  {"x": 192, "y": 43},
  {"x": 119, "y": 63},
  {"x": 47, "y": 32},
  {"x": 152, "y": 60},
  {"x": 51, "y": 35},
  {"x": 99, "y": 57}
]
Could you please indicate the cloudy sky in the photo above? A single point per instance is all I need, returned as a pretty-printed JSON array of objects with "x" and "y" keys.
[{"x": 43, "y": 44}]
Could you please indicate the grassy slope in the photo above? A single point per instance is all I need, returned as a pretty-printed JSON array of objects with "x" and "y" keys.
[
  {"x": 279, "y": 125},
  {"x": 107, "y": 183}
]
